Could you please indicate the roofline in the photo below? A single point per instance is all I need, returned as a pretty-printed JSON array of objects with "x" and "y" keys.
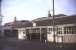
[
  {"x": 47, "y": 18},
  {"x": 64, "y": 25}
]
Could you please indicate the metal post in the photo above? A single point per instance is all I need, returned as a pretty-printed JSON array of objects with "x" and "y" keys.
[
  {"x": 53, "y": 22},
  {"x": 30, "y": 34},
  {"x": 1, "y": 28},
  {"x": 40, "y": 34},
  {"x": 46, "y": 35}
]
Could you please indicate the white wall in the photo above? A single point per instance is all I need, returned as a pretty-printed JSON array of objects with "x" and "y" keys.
[
  {"x": 69, "y": 38},
  {"x": 22, "y": 33}
]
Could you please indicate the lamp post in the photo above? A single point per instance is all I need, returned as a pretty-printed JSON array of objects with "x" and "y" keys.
[{"x": 53, "y": 22}]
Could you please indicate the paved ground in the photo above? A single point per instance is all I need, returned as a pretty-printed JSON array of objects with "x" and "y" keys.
[{"x": 14, "y": 44}]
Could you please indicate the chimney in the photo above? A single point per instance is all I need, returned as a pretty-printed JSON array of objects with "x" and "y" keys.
[
  {"x": 15, "y": 19},
  {"x": 49, "y": 15}
]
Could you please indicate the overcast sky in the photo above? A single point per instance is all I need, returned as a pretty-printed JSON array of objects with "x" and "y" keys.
[{"x": 32, "y": 9}]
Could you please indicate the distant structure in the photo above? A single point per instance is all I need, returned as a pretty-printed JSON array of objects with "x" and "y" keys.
[
  {"x": 15, "y": 19},
  {"x": 49, "y": 15}
]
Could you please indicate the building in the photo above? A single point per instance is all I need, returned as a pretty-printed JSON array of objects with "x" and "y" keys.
[
  {"x": 42, "y": 29},
  {"x": 65, "y": 29},
  {"x": 11, "y": 28}
]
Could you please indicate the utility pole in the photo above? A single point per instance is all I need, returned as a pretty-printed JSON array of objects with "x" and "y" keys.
[
  {"x": 1, "y": 28},
  {"x": 0, "y": 13},
  {"x": 53, "y": 21}
]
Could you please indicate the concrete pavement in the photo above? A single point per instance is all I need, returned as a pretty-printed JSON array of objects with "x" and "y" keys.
[{"x": 15, "y": 44}]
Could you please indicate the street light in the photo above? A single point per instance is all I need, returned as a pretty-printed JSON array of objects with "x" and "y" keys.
[
  {"x": 53, "y": 22},
  {"x": 61, "y": 38}
]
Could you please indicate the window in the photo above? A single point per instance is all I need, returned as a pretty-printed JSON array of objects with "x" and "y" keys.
[{"x": 70, "y": 30}]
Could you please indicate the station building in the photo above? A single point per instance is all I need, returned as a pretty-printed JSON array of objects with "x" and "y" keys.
[
  {"x": 42, "y": 29},
  {"x": 65, "y": 29}
]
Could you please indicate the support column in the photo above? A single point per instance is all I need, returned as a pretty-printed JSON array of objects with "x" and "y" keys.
[
  {"x": 46, "y": 35},
  {"x": 40, "y": 34},
  {"x": 25, "y": 34},
  {"x": 30, "y": 34},
  {"x": 62, "y": 30}
]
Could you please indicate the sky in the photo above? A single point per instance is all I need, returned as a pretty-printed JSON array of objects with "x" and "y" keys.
[{"x": 32, "y": 9}]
